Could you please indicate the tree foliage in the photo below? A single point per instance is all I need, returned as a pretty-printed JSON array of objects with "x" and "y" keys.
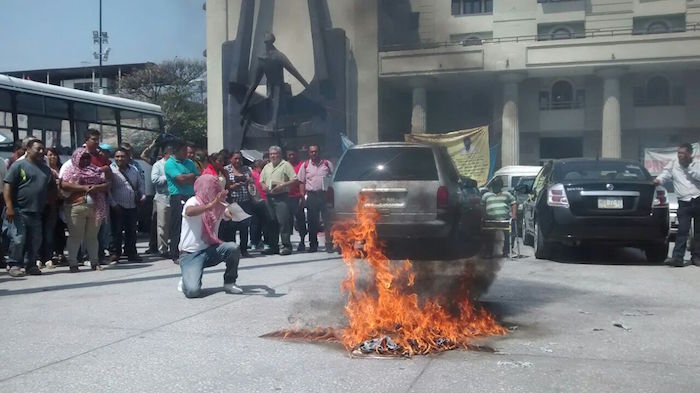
[{"x": 177, "y": 86}]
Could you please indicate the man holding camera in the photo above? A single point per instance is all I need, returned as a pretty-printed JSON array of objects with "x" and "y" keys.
[{"x": 239, "y": 177}]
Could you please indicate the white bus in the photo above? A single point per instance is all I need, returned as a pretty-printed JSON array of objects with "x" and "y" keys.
[{"x": 60, "y": 116}]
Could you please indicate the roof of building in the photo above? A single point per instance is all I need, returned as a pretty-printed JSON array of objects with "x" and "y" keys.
[{"x": 58, "y": 74}]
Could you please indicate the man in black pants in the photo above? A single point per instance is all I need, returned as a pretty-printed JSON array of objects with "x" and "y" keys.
[
  {"x": 180, "y": 172},
  {"x": 313, "y": 174},
  {"x": 685, "y": 175},
  {"x": 127, "y": 193}
]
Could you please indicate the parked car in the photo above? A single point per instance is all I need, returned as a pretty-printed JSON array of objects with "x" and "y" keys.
[
  {"x": 596, "y": 201},
  {"x": 511, "y": 175},
  {"x": 417, "y": 190}
]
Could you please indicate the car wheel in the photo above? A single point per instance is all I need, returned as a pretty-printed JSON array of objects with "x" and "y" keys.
[
  {"x": 656, "y": 253},
  {"x": 542, "y": 247}
]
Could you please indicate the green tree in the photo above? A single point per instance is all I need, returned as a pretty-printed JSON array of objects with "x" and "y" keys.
[{"x": 178, "y": 87}]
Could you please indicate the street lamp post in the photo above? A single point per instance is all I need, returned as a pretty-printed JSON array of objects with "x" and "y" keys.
[{"x": 99, "y": 37}]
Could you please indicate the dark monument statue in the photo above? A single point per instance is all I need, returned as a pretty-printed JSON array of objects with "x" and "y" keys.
[
  {"x": 316, "y": 115},
  {"x": 272, "y": 66}
]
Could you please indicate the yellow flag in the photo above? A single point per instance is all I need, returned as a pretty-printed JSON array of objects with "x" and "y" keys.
[{"x": 469, "y": 150}]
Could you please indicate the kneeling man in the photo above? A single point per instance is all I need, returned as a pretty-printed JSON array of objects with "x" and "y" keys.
[{"x": 200, "y": 246}]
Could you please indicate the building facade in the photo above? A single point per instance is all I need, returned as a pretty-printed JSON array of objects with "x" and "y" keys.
[{"x": 551, "y": 78}]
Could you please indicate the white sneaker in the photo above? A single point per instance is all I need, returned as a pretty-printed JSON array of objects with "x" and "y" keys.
[
  {"x": 179, "y": 286},
  {"x": 232, "y": 289}
]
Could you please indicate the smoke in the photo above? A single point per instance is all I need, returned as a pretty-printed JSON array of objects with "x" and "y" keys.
[{"x": 447, "y": 280}]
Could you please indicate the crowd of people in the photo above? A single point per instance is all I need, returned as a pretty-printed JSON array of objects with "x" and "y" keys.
[{"x": 86, "y": 211}]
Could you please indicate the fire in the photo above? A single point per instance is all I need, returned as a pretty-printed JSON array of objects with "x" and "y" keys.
[{"x": 388, "y": 318}]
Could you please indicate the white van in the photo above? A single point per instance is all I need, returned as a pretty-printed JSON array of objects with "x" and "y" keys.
[{"x": 511, "y": 175}]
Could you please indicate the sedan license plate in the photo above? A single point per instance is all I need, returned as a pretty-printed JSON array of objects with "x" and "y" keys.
[{"x": 610, "y": 203}]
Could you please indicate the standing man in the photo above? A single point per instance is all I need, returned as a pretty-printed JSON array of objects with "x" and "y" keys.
[
  {"x": 275, "y": 179},
  {"x": 29, "y": 186},
  {"x": 311, "y": 183},
  {"x": 500, "y": 205},
  {"x": 127, "y": 193},
  {"x": 296, "y": 200},
  {"x": 161, "y": 203},
  {"x": 240, "y": 176},
  {"x": 180, "y": 174},
  {"x": 685, "y": 174},
  {"x": 92, "y": 144}
]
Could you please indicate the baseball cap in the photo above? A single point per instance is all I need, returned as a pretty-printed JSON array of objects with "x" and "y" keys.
[{"x": 106, "y": 147}]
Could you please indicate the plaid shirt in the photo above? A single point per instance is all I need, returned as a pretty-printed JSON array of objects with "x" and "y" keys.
[
  {"x": 241, "y": 193},
  {"x": 121, "y": 192}
]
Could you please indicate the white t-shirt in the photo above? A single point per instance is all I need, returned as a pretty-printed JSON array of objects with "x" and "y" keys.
[
  {"x": 191, "y": 230},
  {"x": 64, "y": 168}
]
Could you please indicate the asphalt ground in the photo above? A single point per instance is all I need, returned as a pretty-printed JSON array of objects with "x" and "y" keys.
[{"x": 127, "y": 329}]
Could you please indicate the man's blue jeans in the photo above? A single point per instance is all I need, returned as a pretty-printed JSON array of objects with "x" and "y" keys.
[
  {"x": 24, "y": 233},
  {"x": 192, "y": 266}
]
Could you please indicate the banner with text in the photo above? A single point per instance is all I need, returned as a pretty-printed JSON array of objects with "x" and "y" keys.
[
  {"x": 655, "y": 159},
  {"x": 469, "y": 150}
]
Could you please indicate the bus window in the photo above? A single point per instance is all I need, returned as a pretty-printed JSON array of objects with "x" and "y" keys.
[
  {"x": 85, "y": 112},
  {"x": 30, "y": 104},
  {"x": 56, "y": 108},
  {"x": 139, "y": 139}
]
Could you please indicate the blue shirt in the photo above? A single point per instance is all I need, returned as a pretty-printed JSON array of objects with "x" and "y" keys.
[{"x": 174, "y": 168}]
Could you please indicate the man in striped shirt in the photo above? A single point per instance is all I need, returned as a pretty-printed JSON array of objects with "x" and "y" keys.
[
  {"x": 127, "y": 191},
  {"x": 500, "y": 205}
]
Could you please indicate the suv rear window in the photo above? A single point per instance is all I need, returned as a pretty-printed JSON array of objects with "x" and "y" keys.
[
  {"x": 599, "y": 170},
  {"x": 387, "y": 163}
]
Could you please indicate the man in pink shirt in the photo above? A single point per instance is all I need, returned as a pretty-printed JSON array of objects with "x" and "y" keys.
[
  {"x": 296, "y": 200},
  {"x": 311, "y": 175}
]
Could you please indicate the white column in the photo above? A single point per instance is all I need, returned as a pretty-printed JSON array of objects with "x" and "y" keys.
[
  {"x": 611, "y": 130},
  {"x": 418, "y": 114},
  {"x": 510, "y": 131}
]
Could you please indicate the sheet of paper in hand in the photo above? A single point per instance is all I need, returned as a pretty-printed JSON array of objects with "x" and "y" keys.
[{"x": 237, "y": 212}]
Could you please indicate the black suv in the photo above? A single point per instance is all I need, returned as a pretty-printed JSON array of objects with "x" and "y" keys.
[{"x": 582, "y": 201}]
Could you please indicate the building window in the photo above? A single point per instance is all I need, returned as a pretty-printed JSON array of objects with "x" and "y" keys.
[
  {"x": 546, "y": 32},
  {"x": 657, "y": 27},
  {"x": 472, "y": 7},
  {"x": 659, "y": 24},
  {"x": 85, "y": 86},
  {"x": 561, "y": 33},
  {"x": 658, "y": 92},
  {"x": 562, "y": 96}
]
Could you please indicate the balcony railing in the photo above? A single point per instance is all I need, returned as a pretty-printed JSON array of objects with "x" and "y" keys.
[
  {"x": 555, "y": 105},
  {"x": 588, "y": 33}
]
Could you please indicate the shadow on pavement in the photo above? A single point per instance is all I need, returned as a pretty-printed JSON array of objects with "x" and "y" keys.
[
  {"x": 270, "y": 292},
  {"x": 600, "y": 255}
]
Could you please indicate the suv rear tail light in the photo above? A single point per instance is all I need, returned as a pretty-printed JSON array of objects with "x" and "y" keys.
[
  {"x": 660, "y": 198},
  {"x": 330, "y": 197},
  {"x": 443, "y": 197},
  {"x": 556, "y": 196}
]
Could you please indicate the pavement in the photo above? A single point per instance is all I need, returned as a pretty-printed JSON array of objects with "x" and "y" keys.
[{"x": 127, "y": 329}]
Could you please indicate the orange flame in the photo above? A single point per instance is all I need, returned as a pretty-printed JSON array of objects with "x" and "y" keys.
[{"x": 392, "y": 309}]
